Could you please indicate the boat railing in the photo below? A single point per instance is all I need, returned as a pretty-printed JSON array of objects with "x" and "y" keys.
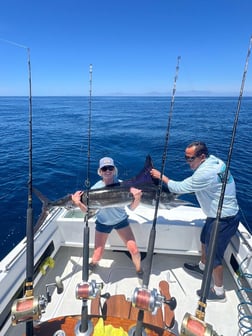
[{"x": 20, "y": 249}]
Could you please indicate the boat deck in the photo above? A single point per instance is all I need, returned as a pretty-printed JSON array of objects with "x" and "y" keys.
[{"x": 118, "y": 276}]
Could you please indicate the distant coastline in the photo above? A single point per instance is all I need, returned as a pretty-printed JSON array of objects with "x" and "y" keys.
[{"x": 179, "y": 94}]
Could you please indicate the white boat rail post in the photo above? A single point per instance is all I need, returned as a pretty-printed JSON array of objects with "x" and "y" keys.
[
  {"x": 189, "y": 322},
  {"x": 87, "y": 290},
  {"x": 143, "y": 298}
]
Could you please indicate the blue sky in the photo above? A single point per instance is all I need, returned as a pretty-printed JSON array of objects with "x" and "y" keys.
[{"x": 133, "y": 46}]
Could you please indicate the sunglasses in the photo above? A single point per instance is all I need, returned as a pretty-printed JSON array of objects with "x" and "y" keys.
[
  {"x": 105, "y": 168},
  {"x": 190, "y": 158}
]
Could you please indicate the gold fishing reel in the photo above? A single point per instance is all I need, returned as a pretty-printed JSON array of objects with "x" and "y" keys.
[
  {"x": 25, "y": 309},
  {"x": 193, "y": 326},
  {"x": 30, "y": 308}
]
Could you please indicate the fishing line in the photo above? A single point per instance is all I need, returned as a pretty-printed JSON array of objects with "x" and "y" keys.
[
  {"x": 214, "y": 235},
  {"x": 14, "y": 43},
  {"x": 78, "y": 179}
]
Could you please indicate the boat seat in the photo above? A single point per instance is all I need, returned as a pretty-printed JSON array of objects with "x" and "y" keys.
[
  {"x": 95, "y": 307},
  {"x": 116, "y": 306}
]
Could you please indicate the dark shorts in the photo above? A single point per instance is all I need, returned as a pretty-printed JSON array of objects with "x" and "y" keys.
[
  {"x": 108, "y": 228},
  {"x": 227, "y": 228}
]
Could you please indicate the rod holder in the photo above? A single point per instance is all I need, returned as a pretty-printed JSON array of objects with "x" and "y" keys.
[{"x": 88, "y": 332}]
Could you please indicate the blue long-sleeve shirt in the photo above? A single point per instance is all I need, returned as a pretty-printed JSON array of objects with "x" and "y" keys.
[{"x": 206, "y": 183}]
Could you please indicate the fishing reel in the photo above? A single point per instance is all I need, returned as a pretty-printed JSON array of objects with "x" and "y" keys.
[
  {"x": 88, "y": 290},
  {"x": 30, "y": 308},
  {"x": 193, "y": 326},
  {"x": 27, "y": 309},
  {"x": 85, "y": 291},
  {"x": 150, "y": 300}
]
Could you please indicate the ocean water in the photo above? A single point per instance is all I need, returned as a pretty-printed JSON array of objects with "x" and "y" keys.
[{"x": 126, "y": 128}]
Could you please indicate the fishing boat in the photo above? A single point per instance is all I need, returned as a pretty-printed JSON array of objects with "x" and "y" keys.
[
  {"x": 47, "y": 288},
  {"x": 112, "y": 290}
]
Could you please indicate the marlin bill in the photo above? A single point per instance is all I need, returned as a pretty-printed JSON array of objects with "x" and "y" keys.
[{"x": 118, "y": 194}]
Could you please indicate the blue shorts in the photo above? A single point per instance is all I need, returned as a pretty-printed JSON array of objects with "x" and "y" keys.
[
  {"x": 108, "y": 228},
  {"x": 227, "y": 228}
]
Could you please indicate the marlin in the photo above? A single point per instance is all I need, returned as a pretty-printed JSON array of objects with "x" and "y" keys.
[{"x": 119, "y": 195}]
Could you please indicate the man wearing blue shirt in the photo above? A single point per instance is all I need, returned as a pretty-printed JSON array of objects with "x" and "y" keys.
[{"x": 206, "y": 182}]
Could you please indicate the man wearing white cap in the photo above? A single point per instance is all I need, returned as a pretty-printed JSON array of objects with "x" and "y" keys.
[{"x": 110, "y": 218}]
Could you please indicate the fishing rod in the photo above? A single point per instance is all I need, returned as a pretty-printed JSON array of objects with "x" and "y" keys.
[
  {"x": 87, "y": 184},
  {"x": 152, "y": 237},
  {"x": 29, "y": 220},
  {"x": 29, "y": 226},
  {"x": 150, "y": 250},
  {"x": 200, "y": 312},
  {"x": 85, "y": 326}
]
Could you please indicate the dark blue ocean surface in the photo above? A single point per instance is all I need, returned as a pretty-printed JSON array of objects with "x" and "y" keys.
[{"x": 126, "y": 128}]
